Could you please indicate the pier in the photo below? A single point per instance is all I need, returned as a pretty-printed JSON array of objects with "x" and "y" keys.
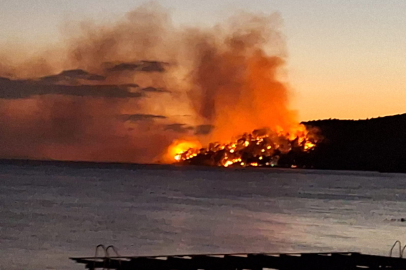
[{"x": 252, "y": 261}]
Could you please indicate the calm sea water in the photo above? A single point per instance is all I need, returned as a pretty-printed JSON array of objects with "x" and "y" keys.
[{"x": 49, "y": 213}]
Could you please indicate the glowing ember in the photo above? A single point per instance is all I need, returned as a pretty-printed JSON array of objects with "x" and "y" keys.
[
  {"x": 259, "y": 148},
  {"x": 309, "y": 145}
]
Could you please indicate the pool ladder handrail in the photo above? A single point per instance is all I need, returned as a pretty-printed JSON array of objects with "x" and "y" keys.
[
  {"x": 401, "y": 250},
  {"x": 107, "y": 256}
]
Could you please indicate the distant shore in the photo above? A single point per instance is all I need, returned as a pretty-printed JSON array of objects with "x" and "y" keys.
[
  {"x": 136, "y": 166},
  {"x": 377, "y": 144}
]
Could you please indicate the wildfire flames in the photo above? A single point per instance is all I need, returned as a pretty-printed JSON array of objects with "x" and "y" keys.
[
  {"x": 179, "y": 149},
  {"x": 259, "y": 148}
]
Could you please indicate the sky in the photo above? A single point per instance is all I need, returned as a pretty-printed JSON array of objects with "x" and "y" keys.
[{"x": 346, "y": 58}]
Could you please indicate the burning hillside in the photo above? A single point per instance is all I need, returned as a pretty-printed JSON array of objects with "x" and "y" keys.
[
  {"x": 239, "y": 86},
  {"x": 259, "y": 148}
]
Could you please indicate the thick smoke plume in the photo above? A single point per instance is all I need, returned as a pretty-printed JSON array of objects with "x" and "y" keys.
[
  {"x": 125, "y": 92},
  {"x": 236, "y": 83}
]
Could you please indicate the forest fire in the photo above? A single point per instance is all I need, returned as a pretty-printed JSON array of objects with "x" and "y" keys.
[
  {"x": 144, "y": 90},
  {"x": 259, "y": 148}
]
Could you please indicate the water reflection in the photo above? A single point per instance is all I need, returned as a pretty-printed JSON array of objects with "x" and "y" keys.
[{"x": 60, "y": 212}]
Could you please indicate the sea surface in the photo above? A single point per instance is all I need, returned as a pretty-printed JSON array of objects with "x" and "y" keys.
[{"x": 52, "y": 212}]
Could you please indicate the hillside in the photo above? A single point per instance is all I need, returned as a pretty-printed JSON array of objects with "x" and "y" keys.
[{"x": 373, "y": 144}]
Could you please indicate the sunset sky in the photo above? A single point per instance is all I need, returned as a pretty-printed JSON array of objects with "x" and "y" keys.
[{"x": 346, "y": 59}]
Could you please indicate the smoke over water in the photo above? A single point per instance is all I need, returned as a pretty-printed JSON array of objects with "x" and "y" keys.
[{"x": 126, "y": 92}]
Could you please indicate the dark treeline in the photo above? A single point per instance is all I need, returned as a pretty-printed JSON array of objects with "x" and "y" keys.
[{"x": 377, "y": 144}]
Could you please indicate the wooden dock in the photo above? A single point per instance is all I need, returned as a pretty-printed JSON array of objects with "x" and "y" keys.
[{"x": 288, "y": 261}]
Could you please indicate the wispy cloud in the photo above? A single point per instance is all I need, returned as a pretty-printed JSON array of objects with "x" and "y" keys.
[
  {"x": 141, "y": 117},
  {"x": 179, "y": 128},
  {"x": 73, "y": 75},
  {"x": 142, "y": 66},
  {"x": 18, "y": 89}
]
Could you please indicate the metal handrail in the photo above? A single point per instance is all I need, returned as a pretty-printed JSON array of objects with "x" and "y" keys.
[
  {"x": 114, "y": 249},
  {"x": 105, "y": 255},
  {"x": 97, "y": 248},
  {"x": 400, "y": 248}
]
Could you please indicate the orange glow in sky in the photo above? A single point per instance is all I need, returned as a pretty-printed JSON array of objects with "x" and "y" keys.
[{"x": 345, "y": 58}]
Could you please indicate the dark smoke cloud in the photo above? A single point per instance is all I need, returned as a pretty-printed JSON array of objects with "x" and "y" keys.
[
  {"x": 19, "y": 89},
  {"x": 187, "y": 129},
  {"x": 141, "y": 117},
  {"x": 76, "y": 128},
  {"x": 111, "y": 101},
  {"x": 154, "y": 90},
  {"x": 142, "y": 66},
  {"x": 179, "y": 128},
  {"x": 70, "y": 76},
  {"x": 236, "y": 77},
  {"x": 204, "y": 129}
]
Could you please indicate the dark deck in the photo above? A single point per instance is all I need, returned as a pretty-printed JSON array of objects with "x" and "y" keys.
[{"x": 291, "y": 261}]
